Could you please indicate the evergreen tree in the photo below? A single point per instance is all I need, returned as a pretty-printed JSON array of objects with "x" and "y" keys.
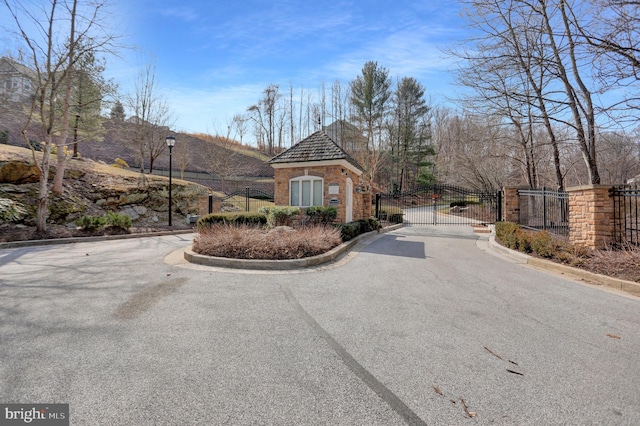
[
  {"x": 410, "y": 133},
  {"x": 117, "y": 111},
  {"x": 370, "y": 93}
]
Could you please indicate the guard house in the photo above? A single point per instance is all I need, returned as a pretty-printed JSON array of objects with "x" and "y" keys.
[{"x": 317, "y": 172}]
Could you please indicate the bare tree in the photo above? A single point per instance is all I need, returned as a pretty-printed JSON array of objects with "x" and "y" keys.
[
  {"x": 264, "y": 116},
  {"x": 240, "y": 122},
  {"x": 613, "y": 33},
  {"x": 151, "y": 117},
  {"x": 56, "y": 35}
]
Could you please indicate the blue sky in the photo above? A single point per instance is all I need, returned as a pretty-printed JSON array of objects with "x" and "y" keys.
[{"x": 214, "y": 58}]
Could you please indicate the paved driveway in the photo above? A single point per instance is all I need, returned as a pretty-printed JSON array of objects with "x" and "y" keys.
[{"x": 420, "y": 325}]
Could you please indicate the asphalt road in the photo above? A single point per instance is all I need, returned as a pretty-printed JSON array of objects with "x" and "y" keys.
[{"x": 422, "y": 325}]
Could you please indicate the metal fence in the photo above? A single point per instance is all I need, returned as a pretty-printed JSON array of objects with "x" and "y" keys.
[
  {"x": 544, "y": 209},
  {"x": 626, "y": 217},
  {"x": 245, "y": 200}
]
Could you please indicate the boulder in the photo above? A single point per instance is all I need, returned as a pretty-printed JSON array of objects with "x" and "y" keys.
[{"x": 18, "y": 172}]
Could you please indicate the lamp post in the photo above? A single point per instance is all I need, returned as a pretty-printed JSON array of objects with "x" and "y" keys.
[{"x": 171, "y": 141}]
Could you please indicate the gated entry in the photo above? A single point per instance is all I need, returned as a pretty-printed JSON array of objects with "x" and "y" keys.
[{"x": 439, "y": 205}]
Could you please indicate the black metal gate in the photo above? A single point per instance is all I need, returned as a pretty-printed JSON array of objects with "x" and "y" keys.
[{"x": 439, "y": 205}]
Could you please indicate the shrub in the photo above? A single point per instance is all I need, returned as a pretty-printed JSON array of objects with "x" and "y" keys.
[
  {"x": 4, "y": 137},
  {"x": 279, "y": 215},
  {"x": 118, "y": 220},
  {"x": 523, "y": 240},
  {"x": 111, "y": 219},
  {"x": 246, "y": 218},
  {"x": 321, "y": 215},
  {"x": 390, "y": 213},
  {"x": 505, "y": 233},
  {"x": 543, "y": 245},
  {"x": 351, "y": 230},
  {"x": 458, "y": 203},
  {"x": 91, "y": 222}
]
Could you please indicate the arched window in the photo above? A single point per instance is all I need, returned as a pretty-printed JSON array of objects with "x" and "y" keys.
[{"x": 306, "y": 191}]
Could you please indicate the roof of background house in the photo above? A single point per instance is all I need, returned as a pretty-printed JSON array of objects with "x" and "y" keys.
[
  {"x": 18, "y": 67},
  {"x": 316, "y": 147}
]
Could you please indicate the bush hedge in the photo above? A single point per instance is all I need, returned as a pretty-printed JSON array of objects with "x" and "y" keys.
[
  {"x": 542, "y": 243},
  {"x": 350, "y": 230},
  {"x": 110, "y": 220},
  {"x": 237, "y": 218},
  {"x": 321, "y": 215},
  {"x": 279, "y": 215}
]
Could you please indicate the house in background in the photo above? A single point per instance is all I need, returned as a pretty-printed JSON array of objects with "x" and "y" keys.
[
  {"x": 317, "y": 172},
  {"x": 16, "y": 81}
]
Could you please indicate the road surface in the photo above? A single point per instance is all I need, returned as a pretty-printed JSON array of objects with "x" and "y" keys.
[{"x": 422, "y": 325}]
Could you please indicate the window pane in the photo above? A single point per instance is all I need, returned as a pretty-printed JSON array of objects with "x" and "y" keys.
[
  {"x": 295, "y": 193},
  {"x": 306, "y": 193},
  {"x": 317, "y": 192}
]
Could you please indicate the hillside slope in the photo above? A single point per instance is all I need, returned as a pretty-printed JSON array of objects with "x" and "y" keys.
[
  {"x": 116, "y": 142},
  {"x": 90, "y": 188}
]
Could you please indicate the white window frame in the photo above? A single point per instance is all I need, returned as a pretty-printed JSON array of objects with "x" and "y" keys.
[{"x": 300, "y": 187}]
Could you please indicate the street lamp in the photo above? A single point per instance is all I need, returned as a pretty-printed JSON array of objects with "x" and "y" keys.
[{"x": 171, "y": 141}]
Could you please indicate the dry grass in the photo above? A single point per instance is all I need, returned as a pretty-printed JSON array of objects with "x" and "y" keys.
[
  {"x": 244, "y": 242},
  {"x": 619, "y": 263}
]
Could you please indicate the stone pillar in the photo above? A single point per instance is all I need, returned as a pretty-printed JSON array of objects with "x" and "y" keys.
[
  {"x": 511, "y": 204},
  {"x": 590, "y": 216}
]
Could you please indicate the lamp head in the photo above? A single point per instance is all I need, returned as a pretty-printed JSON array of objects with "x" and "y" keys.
[{"x": 171, "y": 141}]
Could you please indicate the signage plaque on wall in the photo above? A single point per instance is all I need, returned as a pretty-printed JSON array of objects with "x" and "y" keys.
[{"x": 334, "y": 188}]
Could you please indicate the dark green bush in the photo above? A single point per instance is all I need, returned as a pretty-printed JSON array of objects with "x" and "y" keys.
[
  {"x": 351, "y": 230},
  {"x": 91, "y": 222},
  {"x": 118, "y": 220},
  {"x": 348, "y": 231},
  {"x": 322, "y": 215},
  {"x": 458, "y": 203},
  {"x": 111, "y": 219},
  {"x": 238, "y": 218}
]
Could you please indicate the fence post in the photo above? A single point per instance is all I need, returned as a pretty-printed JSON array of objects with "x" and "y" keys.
[
  {"x": 544, "y": 208},
  {"x": 210, "y": 203},
  {"x": 499, "y": 206},
  {"x": 377, "y": 206}
]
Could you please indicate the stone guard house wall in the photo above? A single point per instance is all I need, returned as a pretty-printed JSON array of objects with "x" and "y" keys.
[{"x": 591, "y": 209}]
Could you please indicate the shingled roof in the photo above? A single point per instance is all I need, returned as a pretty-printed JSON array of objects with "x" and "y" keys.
[{"x": 316, "y": 147}]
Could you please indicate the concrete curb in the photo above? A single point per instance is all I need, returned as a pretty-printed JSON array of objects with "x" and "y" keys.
[
  {"x": 615, "y": 283},
  {"x": 278, "y": 265},
  {"x": 72, "y": 240}
]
